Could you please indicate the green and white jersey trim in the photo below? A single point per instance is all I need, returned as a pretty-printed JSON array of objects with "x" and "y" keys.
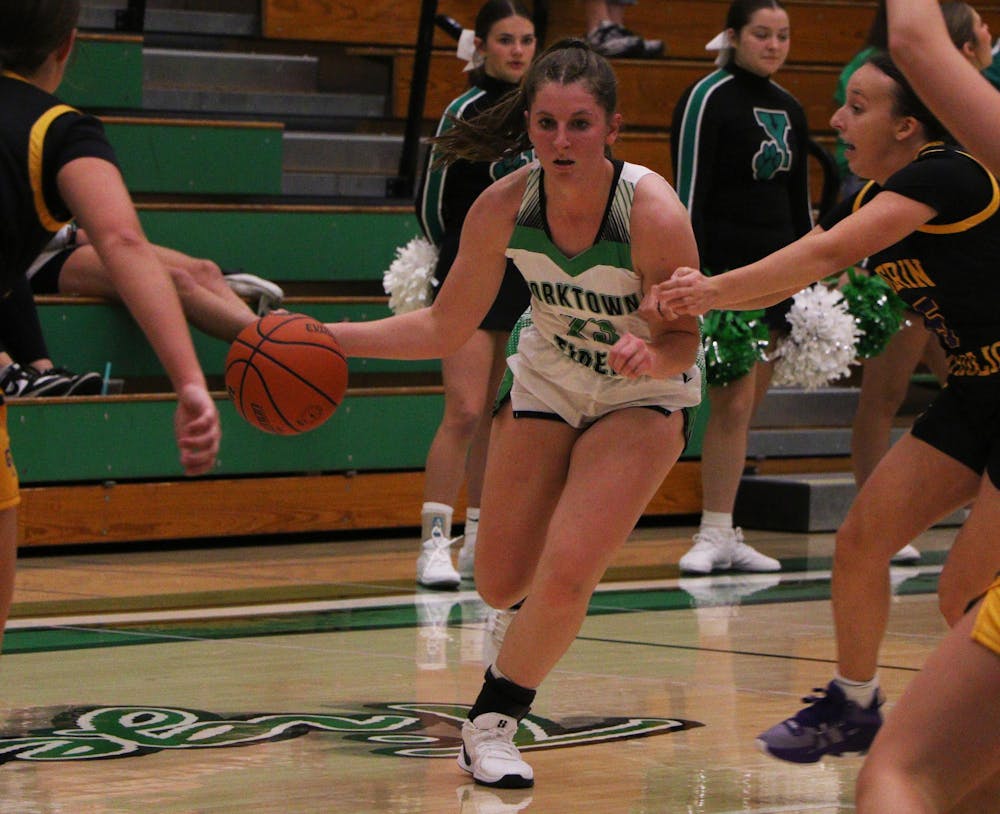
[
  {"x": 583, "y": 305},
  {"x": 690, "y": 135},
  {"x": 431, "y": 216}
]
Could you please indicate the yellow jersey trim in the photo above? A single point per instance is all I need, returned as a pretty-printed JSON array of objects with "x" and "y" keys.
[
  {"x": 36, "y": 144},
  {"x": 973, "y": 220},
  {"x": 947, "y": 228},
  {"x": 860, "y": 195}
]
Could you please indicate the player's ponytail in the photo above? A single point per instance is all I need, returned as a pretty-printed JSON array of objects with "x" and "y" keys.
[{"x": 501, "y": 131}]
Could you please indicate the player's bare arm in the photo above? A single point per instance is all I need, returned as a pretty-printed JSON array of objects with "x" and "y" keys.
[
  {"x": 465, "y": 297},
  {"x": 886, "y": 220},
  {"x": 961, "y": 97},
  {"x": 662, "y": 240}
]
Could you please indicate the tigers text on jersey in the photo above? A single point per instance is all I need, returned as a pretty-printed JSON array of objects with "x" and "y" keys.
[{"x": 582, "y": 305}]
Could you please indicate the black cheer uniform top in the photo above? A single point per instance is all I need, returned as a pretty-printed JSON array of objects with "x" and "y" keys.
[
  {"x": 447, "y": 193},
  {"x": 739, "y": 144}
]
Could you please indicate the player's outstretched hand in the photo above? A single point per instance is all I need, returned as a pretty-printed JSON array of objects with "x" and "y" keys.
[
  {"x": 197, "y": 429},
  {"x": 631, "y": 357},
  {"x": 687, "y": 291}
]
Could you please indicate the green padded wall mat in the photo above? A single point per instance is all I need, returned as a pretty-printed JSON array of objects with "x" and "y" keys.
[
  {"x": 119, "y": 439},
  {"x": 104, "y": 74},
  {"x": 296, "y": 245},
  {"x": 198, "y": 158}
]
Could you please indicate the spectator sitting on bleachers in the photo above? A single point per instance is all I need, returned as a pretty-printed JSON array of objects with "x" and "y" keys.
[
  {"x": 212, "y": 299},
  {"x": 79, "y": 178}
]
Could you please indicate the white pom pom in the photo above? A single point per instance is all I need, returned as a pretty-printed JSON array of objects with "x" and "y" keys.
[
  {"x": 821, "y": 345},
  {"x": 410, "y": 277}
]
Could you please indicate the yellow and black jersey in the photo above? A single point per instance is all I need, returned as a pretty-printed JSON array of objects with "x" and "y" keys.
[
  {"x": 38, "y": 136},
  {"x": 948, "y": 270}
]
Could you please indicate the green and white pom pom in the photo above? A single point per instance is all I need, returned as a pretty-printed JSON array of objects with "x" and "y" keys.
[
  {"x": 820, "y": 347},
  {"x": 410, "y": 279},
  {"x": 876, "y": 309},
  {"x": 734, "y": 341}
]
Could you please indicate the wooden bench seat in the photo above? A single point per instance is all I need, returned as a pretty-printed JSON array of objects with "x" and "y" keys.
[
  {"x": 216, "y": 508},
  {"x": 825, "y": 31},
  {"x": 648, "y": 89},
  {"x": 104, "y": 470}
]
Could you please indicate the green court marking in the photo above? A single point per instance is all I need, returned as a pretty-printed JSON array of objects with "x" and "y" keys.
[{"x": 405, "y": 616}]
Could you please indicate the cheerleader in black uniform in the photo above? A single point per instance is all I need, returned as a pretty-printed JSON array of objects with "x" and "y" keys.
[
  {"x": 739, "y": 146},
  {"x": 56, "y": 164},
  {"x": 930, "y": 224},
  {"x": 505, "y": 46}
]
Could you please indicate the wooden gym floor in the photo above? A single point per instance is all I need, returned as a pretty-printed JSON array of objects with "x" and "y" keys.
[{"x": 313, "y": 677}]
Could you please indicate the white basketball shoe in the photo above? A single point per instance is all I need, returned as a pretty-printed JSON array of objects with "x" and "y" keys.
[
  {"x": 488, "y": 753},
  {"x": 434, "y": 568}
]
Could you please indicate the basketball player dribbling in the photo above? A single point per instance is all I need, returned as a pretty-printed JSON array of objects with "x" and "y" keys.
[{"x": 599, "y": 395}]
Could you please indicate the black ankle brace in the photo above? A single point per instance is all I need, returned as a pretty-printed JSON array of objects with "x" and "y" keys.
[{"x": 502, "y": 695}]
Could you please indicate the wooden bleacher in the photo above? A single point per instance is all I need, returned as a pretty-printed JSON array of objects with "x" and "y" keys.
[
  {"x": 104, "y": 469},
  {"x": 824, "y": 31}
]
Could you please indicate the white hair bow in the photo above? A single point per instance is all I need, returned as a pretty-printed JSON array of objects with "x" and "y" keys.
[
  {"x": 720, "y": 42},
  {"x": 467, "y": 50}
]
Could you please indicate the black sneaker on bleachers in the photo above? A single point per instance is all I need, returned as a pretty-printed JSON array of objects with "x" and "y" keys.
[
  {"x": 81, "y": 384},
  {"x": 25, "y": 382},
  {"x": 615, "y": 41}
]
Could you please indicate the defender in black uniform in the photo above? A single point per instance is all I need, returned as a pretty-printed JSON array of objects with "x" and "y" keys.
[
  {"x": 55, "y": 164},
  {"x": 938, "y": 750},
  {"x": 931, "y": 224}
]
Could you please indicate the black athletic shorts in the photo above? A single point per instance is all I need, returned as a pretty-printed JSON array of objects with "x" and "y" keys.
[
  {"x": 46, "y": 279},
  {"x": 511, "y": 300},
  {"x": 963, "y": 422},
  {"x": 776, "y": 316}
]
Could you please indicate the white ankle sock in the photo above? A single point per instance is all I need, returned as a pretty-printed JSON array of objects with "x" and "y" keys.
[
  {"x": 861, "y": 693},
  {"x": 471, "y": 525},
  {"x": 719, "y": 520},
  {"x": 435, "y": 514}
]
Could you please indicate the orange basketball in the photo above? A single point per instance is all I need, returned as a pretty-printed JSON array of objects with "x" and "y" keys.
[{"x": 286, "y": 373}]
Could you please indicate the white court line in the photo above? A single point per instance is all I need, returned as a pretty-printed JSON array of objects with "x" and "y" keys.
[{"x": 361, "y": 603}]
